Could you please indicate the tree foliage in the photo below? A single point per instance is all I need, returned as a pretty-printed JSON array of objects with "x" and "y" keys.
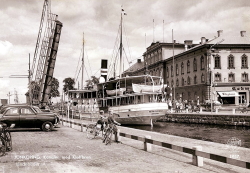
[
  {"x": 54, "y": 88},
  {"x": 93, "y": 81},
  {"x": 35, "y": 88},
  {"x": 68, "y": 84}
]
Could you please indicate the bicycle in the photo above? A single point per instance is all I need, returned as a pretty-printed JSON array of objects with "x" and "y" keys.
[
  {"x": 94, "y": 130},
  {"x": 108, "y": 135},
  {"x": 2, "y": 146},
  {"x": 6, "y": 141}
]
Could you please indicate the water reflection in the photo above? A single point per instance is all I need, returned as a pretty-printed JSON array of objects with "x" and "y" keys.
[{"x": 213, "y": 133}]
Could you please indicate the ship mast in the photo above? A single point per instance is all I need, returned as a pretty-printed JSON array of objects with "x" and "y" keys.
[
  {"x": 82, "y": 62},
  {"x": 121, "y": 46}
]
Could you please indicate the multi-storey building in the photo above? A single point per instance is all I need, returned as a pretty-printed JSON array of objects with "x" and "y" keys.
[{"x": 215, "y": 69}]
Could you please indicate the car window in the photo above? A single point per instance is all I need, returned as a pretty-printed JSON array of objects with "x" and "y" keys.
[
  {"x": 26, "y": 111},
  {"x": 3, "y": 110},
  {"x": 12, "y": 111},
  {"x": 37, "y": 109}
]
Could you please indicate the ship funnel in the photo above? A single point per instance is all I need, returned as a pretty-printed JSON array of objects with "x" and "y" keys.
[{"x": 104, "y": 69}]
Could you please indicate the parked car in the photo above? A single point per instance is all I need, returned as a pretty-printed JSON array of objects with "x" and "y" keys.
[{"x": 28, "y": 117}]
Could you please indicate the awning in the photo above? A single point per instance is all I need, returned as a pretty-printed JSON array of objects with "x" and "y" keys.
[{"x": 228, "y": 94}]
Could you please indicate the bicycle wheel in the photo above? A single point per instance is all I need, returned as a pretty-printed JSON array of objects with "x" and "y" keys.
[
  {"x": 2, "y": 147},
  {"x": 91, "y": 132},
  {"x": 107, "y": 131},
  {"x": 109, "y": 137},
  {"x": 8, "y": 141},
  {"x": 104, "y": 131}
]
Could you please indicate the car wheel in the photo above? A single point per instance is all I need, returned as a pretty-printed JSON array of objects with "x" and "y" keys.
[{"x": 47, "y": 126}]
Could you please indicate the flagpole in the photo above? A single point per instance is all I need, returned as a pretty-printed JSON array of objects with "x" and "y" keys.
[
  {"x": 173, "y": 65},
  {"x": 163, "y": 32},
  {"x": 153, "y": 30}
]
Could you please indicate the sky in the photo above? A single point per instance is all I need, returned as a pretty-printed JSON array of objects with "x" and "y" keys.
[{"x": 99, "y": 21}]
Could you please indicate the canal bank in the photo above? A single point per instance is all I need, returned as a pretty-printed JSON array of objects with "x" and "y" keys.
[{"x": 215, "y": 118}]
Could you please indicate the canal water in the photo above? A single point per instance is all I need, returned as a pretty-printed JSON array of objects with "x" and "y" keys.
[{"x": 212, "y": 133}]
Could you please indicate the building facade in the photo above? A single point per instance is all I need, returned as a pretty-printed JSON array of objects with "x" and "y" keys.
[{"x": 213, "y": 70}]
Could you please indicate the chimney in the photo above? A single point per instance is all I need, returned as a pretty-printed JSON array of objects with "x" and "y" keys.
[
  {"x": 220, "y": 33},
  {"x": 188, "y": 43},
  {"x": 203, "y": 40},
  {"x": 104, "y": 68},
  {"x": 243, "y": 33}
]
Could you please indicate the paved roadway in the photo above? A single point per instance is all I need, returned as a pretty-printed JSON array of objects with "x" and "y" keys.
[{"x": 67, "y": 150}]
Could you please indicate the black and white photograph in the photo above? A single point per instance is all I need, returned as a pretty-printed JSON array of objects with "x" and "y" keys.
[{"x": 130, "y": 86}]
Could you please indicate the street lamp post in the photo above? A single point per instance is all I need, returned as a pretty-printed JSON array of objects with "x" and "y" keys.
[{"x": 211, "y": 72}]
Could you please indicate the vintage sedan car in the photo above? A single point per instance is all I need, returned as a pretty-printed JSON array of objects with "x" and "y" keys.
[{"x": 28, "y": 117}]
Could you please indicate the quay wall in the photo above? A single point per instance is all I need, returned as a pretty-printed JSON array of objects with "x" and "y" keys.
[{"x": 207, "y": 118}]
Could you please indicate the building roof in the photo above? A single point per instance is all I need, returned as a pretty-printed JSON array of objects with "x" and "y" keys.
[
  {"x": 135, "y": 67},
  {"x": 223, "y": 39},
  {"x": 227, "y": 39}
]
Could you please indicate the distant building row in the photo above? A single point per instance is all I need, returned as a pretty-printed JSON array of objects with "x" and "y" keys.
[{"x": 216, "y": 69}]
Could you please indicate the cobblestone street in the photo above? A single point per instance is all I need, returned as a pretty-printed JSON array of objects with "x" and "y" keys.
[{"x": 68, "y": 150}]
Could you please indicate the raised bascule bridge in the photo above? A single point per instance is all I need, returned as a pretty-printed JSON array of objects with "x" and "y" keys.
[{"x": 41, "y": 73}]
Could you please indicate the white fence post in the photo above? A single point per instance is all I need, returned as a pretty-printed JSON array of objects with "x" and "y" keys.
[
  {"x": 118, "y": 135},
  {"x": 147, "y": 146},
  {"x": 81, "y": 127},
  {"x": 197, "y": 160}
]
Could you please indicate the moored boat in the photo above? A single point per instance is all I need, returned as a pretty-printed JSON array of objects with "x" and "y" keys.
[
  {"x": 146, "y": 88},
  {"x": 137, "y": 108},
  {"x": 114, "y": 92},
  {"x": 135, "y": 100}
]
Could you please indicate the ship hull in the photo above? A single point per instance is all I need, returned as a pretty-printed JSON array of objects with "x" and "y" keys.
[{"x": 140, "y": 114}]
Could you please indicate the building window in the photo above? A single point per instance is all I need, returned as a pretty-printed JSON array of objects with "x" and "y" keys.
[
  {"x": 182, "y": 82},
  {"x": 217, "y": 77},
  {"x": 217, "y": 62},
  {"x": 244, "y": 62},
  {"x": 188, "y": 80},
  {"x": 167, "y": 72},
  {"x": 231, "y": 77},
  {"x": 172, "y": 73},
  {"x": 188, "y": 66},
  {"x": 195, "y": 79},
  {"x": 202, "y": 78},
  {"x": 195, "y": 95},
  {"x": 203, "y": 95},
  {"x": 195, "y": 64},
  {"x": 168, "y": 83},
  {"x": 172, "y": 83},
  {"x": 202, "y": 63},
  {"x": 244, "y": 77},
  {"x": 182, "y": 68},
  {"x": 230, "y": 62},
  {"x": 177, "y": 70},
  {"x": 177, "y": 82}
]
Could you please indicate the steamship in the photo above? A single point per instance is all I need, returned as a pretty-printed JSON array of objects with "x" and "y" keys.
[{"x": 135, "y": 100}]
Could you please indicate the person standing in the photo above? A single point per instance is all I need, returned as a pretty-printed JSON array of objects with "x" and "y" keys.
[
  {"x": 102, "y": 119},
  {"x": 170, "y": 105},
  {"x": 111, "y": 121}
]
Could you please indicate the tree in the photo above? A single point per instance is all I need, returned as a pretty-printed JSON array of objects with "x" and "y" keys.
[
  {"x": 93, "y": 81},
  {"x": 68, "y": 85},
  {"x": 54, "y": 88},
  {"x": 35, "y": 89}
]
